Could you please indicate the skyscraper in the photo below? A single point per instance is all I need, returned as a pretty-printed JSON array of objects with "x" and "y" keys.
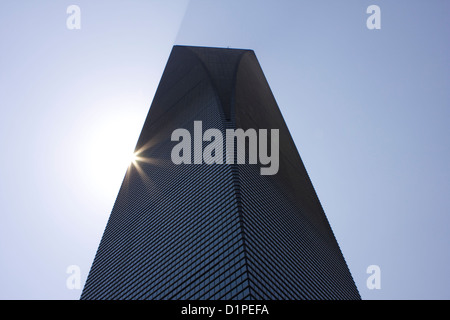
[{"x": 216, "y": 231}]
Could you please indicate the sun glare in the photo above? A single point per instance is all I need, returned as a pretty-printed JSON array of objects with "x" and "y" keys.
[
  {"x": 108, "y": 154},
  {"x": 134, "y": 158}
]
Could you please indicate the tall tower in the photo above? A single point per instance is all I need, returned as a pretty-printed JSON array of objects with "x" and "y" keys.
[{"x": 216, "y": 231}]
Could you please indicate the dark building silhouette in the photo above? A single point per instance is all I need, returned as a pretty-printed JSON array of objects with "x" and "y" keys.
[{"x": 216, "y": 231}]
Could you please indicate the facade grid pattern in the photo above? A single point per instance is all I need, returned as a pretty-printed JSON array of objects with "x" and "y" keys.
[{"x": 220, "y": 231}]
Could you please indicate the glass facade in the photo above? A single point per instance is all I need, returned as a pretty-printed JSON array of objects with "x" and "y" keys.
[{"x": 216, "y": 231}]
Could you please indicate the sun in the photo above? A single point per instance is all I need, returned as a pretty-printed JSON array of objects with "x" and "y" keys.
[
  {"x": 133, "y": 158},
  {"x": 109, "y": 153}
]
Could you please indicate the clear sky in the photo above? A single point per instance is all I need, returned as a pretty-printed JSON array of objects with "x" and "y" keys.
[{"x": 369, "y": 111}]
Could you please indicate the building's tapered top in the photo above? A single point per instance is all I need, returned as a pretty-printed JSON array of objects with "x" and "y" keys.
[
  {"x": 246, "y": 101},
  {"x": 221, "y": 65}
]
